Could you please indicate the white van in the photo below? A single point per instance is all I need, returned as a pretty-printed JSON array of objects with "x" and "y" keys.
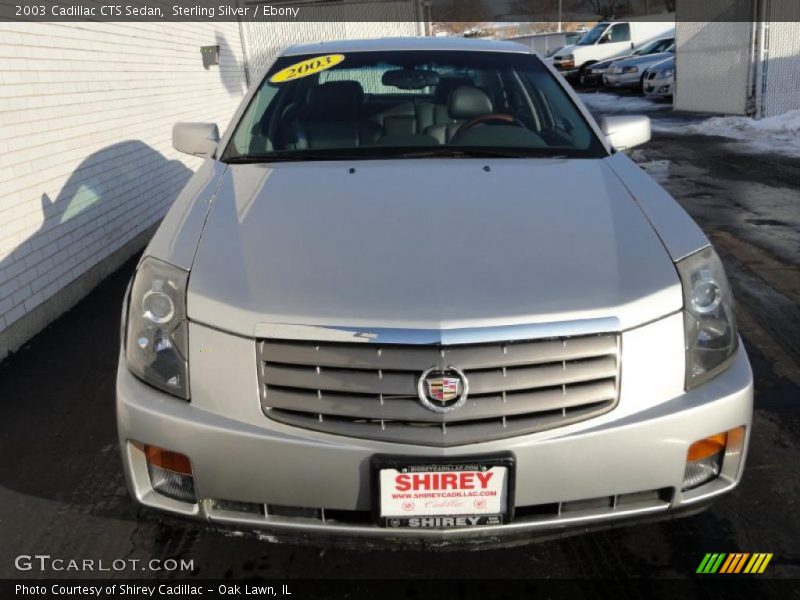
[{"x": 607, "y": 40}]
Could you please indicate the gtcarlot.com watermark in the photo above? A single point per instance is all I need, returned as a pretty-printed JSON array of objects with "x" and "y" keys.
[{"x": 56, "y": 564}]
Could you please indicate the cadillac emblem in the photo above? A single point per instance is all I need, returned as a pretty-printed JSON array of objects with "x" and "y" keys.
[{"x": 442, "y": 390}]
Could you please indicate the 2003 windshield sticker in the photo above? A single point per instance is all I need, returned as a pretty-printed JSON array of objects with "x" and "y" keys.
[{"x": 307, "y": 67}]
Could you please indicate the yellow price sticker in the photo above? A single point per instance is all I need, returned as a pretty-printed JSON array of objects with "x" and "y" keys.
[{"x": 307, "y": 67}]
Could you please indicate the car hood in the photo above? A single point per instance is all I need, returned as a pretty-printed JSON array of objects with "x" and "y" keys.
[
  {"x": 663, "y": 65},
  {"x": 428, "y": 244},
  {"x": 640, "y": 60},
  {"x": 564, "y": 51},
  {"x": 604, "y": 64}
]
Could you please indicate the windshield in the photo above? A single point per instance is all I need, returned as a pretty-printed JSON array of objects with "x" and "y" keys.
[
  {"x": 591, "y": 36},
  {"x": 655, "y": 47},
  {"x": 409, "y": 104}
]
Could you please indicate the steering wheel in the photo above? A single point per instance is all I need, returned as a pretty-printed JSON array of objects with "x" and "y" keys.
[{"x": 490, "y": 118}]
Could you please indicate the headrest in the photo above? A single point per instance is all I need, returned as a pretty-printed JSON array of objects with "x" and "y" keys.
[
  {"x": 339, "y": 99},
  {"x": 446, "y": 86},
  {"x": 468, "y": 103}
]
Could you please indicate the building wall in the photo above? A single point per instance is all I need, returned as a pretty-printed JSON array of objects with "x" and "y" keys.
[
  {"x": 713, "y": 66},
  {"x": 544, "y": 43},
  {"x": 86, "y": 161}
]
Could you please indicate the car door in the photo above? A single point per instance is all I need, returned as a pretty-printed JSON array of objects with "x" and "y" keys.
[{"x": 616, "y": 39}]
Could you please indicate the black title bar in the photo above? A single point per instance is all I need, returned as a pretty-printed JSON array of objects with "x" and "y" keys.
[{"x": 463, "y": 11}]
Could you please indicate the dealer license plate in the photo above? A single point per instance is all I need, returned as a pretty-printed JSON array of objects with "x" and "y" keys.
[{"x": 443, "y": 494}]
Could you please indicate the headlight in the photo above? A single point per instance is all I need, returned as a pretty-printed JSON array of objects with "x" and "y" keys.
[
  {"x": 667, "y": 73},
  {"x": 566, "y": 61},
  {"x": 157, "y": 336},
  {"x": 709, "y": 324},
  {"x": 630, "y": 70}
]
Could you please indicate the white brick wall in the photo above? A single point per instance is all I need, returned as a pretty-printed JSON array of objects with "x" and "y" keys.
[{"x": 86, "y": 162}]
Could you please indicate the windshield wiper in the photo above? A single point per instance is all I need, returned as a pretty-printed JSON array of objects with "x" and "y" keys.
[
  {"x": 377, "y": 152},
  {"x": 289, "y": 156},
  {"x": 481, "y": 153}
]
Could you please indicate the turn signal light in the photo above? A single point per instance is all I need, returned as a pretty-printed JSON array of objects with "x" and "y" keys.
[
  {"x": 166, "y": 459},
  {"x": 704, "y": 458},
  {"x": 170, "y": 474},
  {"x": 707, "y": 447}
]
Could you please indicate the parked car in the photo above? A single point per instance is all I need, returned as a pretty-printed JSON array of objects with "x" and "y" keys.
[
  {"x": 608, "y": 40},
  {"x": 659, "y": 79},
  {"x": 396, "y": 300},
  {"x": 594, "y": 75},
  {"x": 629, "y": 72}
]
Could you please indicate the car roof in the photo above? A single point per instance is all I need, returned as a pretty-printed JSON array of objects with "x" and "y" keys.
[{"x": 408, "y": 44}]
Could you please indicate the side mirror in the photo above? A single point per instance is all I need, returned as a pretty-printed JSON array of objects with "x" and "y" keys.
[
  {"x": 197, "y": 139},
  {"x": 625, "y": 132}
]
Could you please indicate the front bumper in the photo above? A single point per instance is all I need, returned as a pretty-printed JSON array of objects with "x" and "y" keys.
[
  {"x": 623, "y": 80},
  {"x": 626, "y": 464},
  {"x": 658, "y": 88},
  {"x": 591, "y": 78},
  {"x": 569, "y": 73}
]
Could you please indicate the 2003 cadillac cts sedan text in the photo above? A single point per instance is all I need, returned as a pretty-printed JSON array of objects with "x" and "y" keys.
[{"x": 415, "y": 291}]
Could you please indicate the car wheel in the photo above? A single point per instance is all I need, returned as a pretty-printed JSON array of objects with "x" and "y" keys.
[{"x": 584, "y": 73}]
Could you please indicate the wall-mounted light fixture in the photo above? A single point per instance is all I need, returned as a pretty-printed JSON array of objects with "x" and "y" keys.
[{"x": 210, "y": 55}]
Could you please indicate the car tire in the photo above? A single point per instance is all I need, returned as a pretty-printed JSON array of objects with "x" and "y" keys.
[{"x": 582, "y": 73}]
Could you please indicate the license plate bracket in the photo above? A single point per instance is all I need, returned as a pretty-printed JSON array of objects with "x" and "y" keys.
[{"x": 457, "y": 491}]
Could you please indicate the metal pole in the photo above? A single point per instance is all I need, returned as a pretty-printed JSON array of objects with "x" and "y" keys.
[
  {"x": 559, "y": 16},
  {"x": 761, "y": 57},
  {"x": 245, "y": 53}
]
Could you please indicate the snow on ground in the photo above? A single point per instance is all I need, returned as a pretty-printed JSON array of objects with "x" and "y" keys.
[
  {"x": 604, "y": 102},
  {"x": 780, "y": 133}
]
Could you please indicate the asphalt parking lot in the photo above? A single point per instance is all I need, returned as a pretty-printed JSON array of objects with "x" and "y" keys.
[{"x": 62, "y": 491}]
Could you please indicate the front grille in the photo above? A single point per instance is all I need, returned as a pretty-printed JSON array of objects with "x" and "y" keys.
[
  {"x": 366, "y": 390},
  {"x": 651, "y": 75},
  {"x": 552, "y": 512}
]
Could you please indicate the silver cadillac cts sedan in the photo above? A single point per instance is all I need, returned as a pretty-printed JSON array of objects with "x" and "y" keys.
[{"x": 416, "y": 292}]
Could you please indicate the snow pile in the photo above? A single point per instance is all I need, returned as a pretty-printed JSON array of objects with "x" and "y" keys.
[
  {"x": 780, "y": 133},
  {"x": 605, "y": 103},
  {"x": 787, "y": 124}
]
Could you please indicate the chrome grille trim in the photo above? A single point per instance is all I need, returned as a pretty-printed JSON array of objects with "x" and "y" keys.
[{"x": 369, "y": 390}]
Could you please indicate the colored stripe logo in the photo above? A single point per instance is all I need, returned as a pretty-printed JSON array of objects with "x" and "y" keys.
[{"x": 736, "y": 562}]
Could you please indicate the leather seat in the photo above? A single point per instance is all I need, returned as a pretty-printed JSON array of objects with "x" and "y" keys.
[
  {"x": 466, "y": 103},
  {"x": 331, "y": 118},
  {"x": 399, "y": 120},
  {"x": 435, "y": 113}
]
